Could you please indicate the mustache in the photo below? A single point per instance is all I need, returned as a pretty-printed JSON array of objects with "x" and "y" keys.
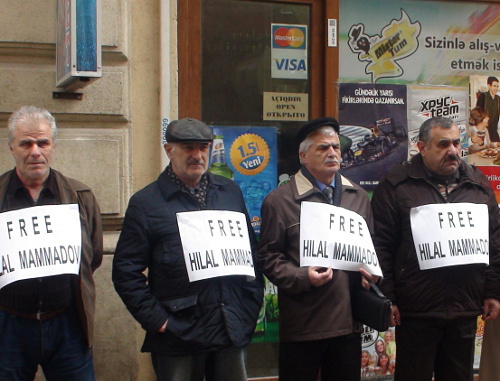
[
  {"x": 453, "y": 157},
  {"x": 332, "y": 160},
  {"x": 198, "y": 162}
]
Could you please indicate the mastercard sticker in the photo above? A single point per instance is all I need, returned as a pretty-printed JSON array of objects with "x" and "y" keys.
[{"x": 289, "y": 37}]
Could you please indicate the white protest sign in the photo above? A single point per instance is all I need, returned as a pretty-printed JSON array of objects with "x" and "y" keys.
[
  {"x": 450, "y": 234},
  {"x": 215, "y": 243},
  {"x": 39, "y": 241},
  {"x": 335, "y": 237}
]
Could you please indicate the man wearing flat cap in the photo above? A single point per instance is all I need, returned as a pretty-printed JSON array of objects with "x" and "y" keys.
[
  {"x": 317, "y": 331},
  {"x": 195, "y": 330}
]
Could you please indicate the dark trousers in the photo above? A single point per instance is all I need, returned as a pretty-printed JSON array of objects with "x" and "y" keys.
[
  {"x": 58, "y": 345},
  {"x": 223, "y": 365},
  {"x": 442, "y": 346},
  {"x": 338, "y": 359}
]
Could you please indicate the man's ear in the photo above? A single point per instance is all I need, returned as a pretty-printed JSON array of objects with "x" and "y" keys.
[
  {"x": 421, "y": 145},
  {"x": 302, "y": 156},
  {"x": 168, "y": 148}
]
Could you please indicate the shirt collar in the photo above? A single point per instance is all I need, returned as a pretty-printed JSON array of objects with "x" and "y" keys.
[
  {"x": 443, "y": 180},
  {"x": 313, "y": 180},
  {"x": 48, "y": 186},
  {"x": 199, "y": 193},
  {"x": 322, "y": 186}
]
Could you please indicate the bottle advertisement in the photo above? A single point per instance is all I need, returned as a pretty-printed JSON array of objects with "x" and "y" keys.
[{"x": 247, "y": 155}]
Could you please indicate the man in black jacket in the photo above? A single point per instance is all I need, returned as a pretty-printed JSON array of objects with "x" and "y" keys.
[
  {"x": 434, "y": 260},
  {"x": 195, "y": 329}
]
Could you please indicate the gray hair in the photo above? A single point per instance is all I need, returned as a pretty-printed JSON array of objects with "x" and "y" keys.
[
  {"x": 424, "y": 134},
  {"x": 308, "y": 141},
  {"x": 30, "y": 115}
]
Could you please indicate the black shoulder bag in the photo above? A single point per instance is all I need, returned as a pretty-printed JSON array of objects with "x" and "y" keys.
[{"x": 371, "y": 307}]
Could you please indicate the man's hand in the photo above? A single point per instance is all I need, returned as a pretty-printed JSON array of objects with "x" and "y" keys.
[
  {"x": 318, "y": 276},
  {"x": 491, "y": 309},
  {"x": 395, "y": 318},
  {"x": 365, "y": 277}
]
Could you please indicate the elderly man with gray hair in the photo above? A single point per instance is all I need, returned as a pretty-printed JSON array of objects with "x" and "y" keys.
[
  {"x": 47, "y": 301},
  {"x": 317, "y": 330},
  {"x": 196, "y": 329}
]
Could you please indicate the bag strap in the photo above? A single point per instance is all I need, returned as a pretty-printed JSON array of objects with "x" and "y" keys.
[{"x": 376, "y": 289}]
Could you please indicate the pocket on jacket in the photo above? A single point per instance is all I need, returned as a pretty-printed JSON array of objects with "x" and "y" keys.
[
  {"x": 180, "y": 304},
  {"x": 185, "y": 318}
]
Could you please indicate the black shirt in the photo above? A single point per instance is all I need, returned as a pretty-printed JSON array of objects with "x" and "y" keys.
[{"x": 38, "y": 294}]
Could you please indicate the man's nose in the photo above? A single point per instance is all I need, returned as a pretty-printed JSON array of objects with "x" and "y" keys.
[
  {"x": 197, "y": 153},
  {"x": 35, "y": 150},
  {"x": 454, "y": 150}
]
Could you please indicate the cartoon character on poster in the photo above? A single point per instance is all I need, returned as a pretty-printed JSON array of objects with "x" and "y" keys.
[
  {"x": 442, "y": 43},
  {"x": 397, "y": 41}
]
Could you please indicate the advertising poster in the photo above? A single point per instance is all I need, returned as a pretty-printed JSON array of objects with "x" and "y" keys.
[
  {"x": 248, "y": 155},
  {"x": 289, "y": 51},
  {"x": 267, "y": 330},
  {"x": 425, "y": 102},
  {"x": 373, "y": 129},
  {"x": 378, "y": 354},
  {"x": 484, "y": 128},
  {"x": 405, "y": 42}
]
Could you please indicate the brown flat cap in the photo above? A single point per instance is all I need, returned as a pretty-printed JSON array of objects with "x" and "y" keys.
[{"x": 188, "y": 130}]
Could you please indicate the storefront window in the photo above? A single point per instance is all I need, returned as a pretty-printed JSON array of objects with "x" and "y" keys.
[{"x": 236, "y": 67}]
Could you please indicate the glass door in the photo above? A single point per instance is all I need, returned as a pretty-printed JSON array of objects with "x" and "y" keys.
[
  {"x": 236, "y": 57},
  {"x": 239, "y": 72}
]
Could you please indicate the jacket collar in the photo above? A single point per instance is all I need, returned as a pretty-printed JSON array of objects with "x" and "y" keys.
[
  {"x": 416, "y": 169},
  {"x": 305, "y": 187},
  {"x": 169, "y": 189},
  {"x": 66, "y": 187}
]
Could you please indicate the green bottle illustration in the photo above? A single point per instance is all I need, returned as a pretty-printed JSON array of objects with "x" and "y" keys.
[
  {"x": 219, "y": 166},
  {"x": 260, "y": 328}
]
